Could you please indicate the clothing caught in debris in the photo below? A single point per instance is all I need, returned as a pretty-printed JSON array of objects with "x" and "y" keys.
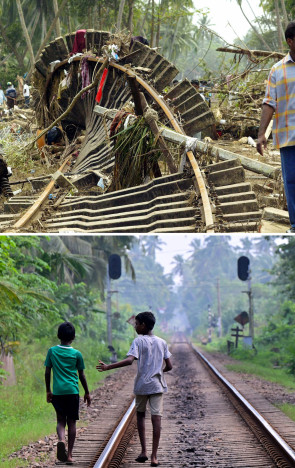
[{"x": 79, "y": 41}]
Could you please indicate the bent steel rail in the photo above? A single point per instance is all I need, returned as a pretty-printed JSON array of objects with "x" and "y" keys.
[{"x": 208, "y": 216}]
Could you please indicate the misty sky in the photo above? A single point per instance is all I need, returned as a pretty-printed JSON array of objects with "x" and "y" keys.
[{"x": 223, "y": 12}]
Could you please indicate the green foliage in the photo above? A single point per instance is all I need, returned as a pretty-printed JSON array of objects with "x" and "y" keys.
[
  {"x": 264, "y": 363},
  {"x": 135, "y": 153},
  {"x": 288, "y": 409},
  {"x": 25, "y": 416},
  {"x": 3, "y": 373},
  {"x": 14, "y": 146}
]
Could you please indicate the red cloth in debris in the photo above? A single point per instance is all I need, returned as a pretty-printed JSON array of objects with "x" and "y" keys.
[
  {"x": 79, "y": 42},
  {"x": 101, "y": 84}
]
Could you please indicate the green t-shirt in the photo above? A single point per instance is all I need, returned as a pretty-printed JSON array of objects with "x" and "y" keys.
[{"x": 65, "y": 361}]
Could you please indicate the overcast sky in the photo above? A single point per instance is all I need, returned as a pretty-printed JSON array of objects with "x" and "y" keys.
[
  {"x": 179, "y": 244},
  {"x": 222, "y": 12}
]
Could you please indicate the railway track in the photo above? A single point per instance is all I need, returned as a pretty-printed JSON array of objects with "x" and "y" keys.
[
  {"x": 202, "y": 195},
  {"x": 206, "y": 423}
]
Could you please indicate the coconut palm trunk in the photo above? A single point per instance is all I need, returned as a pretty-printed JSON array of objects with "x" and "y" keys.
[
  {"x": 130, "y": 15},
  {"x": 153, "y": 23},
  {"x": 279, "y": 25},
  {"x": 52, "y": 26},
  {"x": 120, "y": 14},
  {"x": 239, "y": 2},
  {"x": 285, "y": 16},
  {"x": 57, "y": 27},
  {"x": 142, "y": 24},
  {"x": 25, "y": 31}
]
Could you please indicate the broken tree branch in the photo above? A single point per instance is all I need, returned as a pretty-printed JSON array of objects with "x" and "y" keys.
[{"x": 255, "y": 53}]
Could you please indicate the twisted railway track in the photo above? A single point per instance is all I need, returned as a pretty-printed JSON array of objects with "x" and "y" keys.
[
  {"x": 207, "y": 422},
  {"x": 202, "y": 195}
]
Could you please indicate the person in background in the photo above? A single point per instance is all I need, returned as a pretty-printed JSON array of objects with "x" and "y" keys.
[
  {"x": 2, "y": 101},
  {"x": 65, "y": 362},
  {"x": 151, "y": 352},
  {"x": 10, "y": 96},
  {"x": 279, "y": 102},
  {"x": 26, "y": 93}
]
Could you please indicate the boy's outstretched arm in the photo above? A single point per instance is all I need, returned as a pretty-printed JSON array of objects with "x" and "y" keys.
[
  {"x": 85, "y": 386},
  {"x": 104, "y": 367},
  {"x": 47, "y": 383},
  {"x": 168, "y": 365}
]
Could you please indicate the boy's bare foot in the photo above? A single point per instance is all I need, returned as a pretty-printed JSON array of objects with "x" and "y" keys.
[
  {"x": 154, "y": 461},
  {"x": 61, "y": 453},
  {"x": 141, "y": 458}
]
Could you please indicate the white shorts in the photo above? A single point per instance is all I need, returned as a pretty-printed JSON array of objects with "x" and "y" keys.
[{"x": 155, "y": 402}]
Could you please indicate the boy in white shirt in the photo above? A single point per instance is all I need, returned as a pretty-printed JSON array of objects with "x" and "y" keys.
[{"x": 150, "y": 351}]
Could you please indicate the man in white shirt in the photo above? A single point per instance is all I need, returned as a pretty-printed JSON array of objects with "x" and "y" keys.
[
  {"x": 149, "y": 385},
  {"x": 26, "y": 93}
]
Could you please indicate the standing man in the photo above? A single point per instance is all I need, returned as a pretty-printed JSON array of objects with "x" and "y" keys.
[
  {"x": 2, "y": 100},
  {"x": 280, "y": 101},
  {"x": 11, "y": 96},
  {"x": 26, "y": 93}
]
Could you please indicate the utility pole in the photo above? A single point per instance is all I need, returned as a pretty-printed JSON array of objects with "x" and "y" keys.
[
  {"x": 251, "y": 311},
  {"x": 114, "y": 272},
  {"x": 209, "y": 323},
  {"x": 219, "y": 323},
  {"x": 109, "y": 310}
]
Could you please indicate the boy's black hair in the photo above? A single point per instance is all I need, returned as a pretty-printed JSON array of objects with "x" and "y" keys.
[
  {"x": 147, "y": 318},
  {"x": 290, "y": 30},
  {"x": 195, "y": 82},
  {"x": 66, "y": 331}
]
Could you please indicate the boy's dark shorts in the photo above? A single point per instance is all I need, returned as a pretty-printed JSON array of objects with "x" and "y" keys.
[{"x": 66, "y": 405}]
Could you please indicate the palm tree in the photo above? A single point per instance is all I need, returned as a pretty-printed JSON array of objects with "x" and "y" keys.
[
  {"x": 152, "y": 244},
  {"x": 279, "y": 25},
  {"x": 55, "y": 9},
  {"x": 25, "y": 32},
  {"x": 260, "y": 36},
  {"x": 179, "y": 263},
  {"x": 66, "y": 264},
  {"x": 120, "y": 14}
]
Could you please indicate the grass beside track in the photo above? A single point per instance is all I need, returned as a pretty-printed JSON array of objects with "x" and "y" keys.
[
  {"x": 25, "y": 416},
  {"x": 262, "y": 365}
]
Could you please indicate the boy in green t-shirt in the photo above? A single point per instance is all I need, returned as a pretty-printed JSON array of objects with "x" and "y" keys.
[{"x": 65, "y": 362}]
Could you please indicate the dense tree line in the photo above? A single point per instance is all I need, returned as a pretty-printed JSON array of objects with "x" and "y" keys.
[
  {"x": 45, "y": 280},
  {"x": 48, "y": 280},
  {"x": 181, "y": 30}
]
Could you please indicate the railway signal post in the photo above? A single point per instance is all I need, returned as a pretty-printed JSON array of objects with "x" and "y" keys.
[
  {"x": 244, "y": 274},
  {"x": 114, "y": 272}
]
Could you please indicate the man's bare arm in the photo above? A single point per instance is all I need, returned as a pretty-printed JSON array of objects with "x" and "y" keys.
[{"x": 266, "y": 116}]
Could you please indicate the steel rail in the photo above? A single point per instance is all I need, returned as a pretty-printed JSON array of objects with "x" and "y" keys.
[
  {"x": 32, "y": 211},
  {"x": 284, "y": 447},
  {"x": 209, "y": 222},
  {"x": 108, "y": 452}
]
